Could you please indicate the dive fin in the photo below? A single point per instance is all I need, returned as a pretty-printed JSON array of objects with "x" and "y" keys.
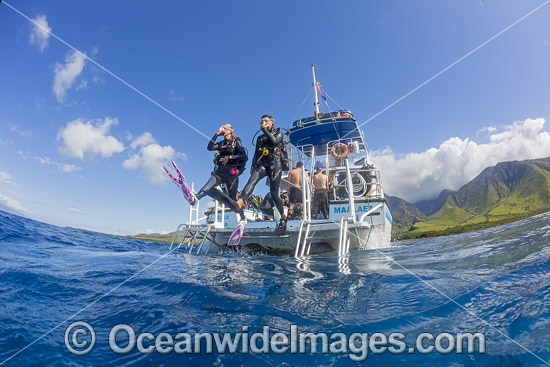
[
  {"x": 181, "y": 182},
  {"x": 237, "y": 234}
]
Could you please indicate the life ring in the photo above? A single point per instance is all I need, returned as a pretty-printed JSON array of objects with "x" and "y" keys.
[{"x": 339, "y": 151}]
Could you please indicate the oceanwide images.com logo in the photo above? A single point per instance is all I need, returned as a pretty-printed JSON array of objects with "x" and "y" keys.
[{"x": 80, "y": 339}]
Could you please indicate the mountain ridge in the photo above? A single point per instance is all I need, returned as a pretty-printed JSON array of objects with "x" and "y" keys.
[{"x": 500, "y": 194}]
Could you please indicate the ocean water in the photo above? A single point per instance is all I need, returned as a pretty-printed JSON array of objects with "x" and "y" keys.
[{"x": 495, "y": 282}]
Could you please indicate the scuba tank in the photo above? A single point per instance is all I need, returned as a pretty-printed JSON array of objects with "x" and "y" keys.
[{"x": 265, "y": 152}]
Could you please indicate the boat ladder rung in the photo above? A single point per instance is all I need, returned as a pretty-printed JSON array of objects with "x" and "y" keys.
[
  {"x": 304, "y": 239},
  {"x": 194, "y": 238}
]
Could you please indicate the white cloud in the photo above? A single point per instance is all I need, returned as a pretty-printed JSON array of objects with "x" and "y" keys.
[
  {"x": 22, "y": 155},
  {"x": 6, "y": 177},
  {"x": 40, "y": 33},
  {"x": 62, "y": 167},
  {"x": 82, "y": 85},
  {"x": 175, "y": 97},
  {"x": 98, "y": 80},
  {"x": 24, "y": 134},
  {"x": 547, "y": 43},
  {"x": 83, "y": 136},
  {"x": 12, "y": 205},
  {"x": 144, "y": 139},
  {"x": 419, "y": 176},
  {"x": 486, "y": 129},
  {"x": 151, "y": 157},
  {"x": 39, "y": 103},
  {"x": 5, "y": 142},
  {"x": 151, "y": 231},
  {"x": 66, "y": 74}
]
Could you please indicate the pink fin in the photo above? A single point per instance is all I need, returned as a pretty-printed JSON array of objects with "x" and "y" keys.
[
  {"x": 175, "y": 180},
  {"x": 237, "y": 234},
  {"x": 182, "y": 183}
]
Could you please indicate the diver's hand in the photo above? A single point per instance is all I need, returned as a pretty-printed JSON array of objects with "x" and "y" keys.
[{"x": 224, "y": 160}]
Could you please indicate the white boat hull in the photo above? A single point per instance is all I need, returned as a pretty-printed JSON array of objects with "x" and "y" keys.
[{"x": 372, "y": 230}]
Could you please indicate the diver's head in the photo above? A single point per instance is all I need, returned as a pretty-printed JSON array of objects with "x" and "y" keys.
[
  {"x": 227, "y": 131},
  {"x": 267, "y": 122}
]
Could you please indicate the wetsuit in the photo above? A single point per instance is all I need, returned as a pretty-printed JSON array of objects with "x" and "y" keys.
[
  {"x": 227, "y": 173},
  {"x": 268, "y": 204},
  {"x": 269, "y": 165}
]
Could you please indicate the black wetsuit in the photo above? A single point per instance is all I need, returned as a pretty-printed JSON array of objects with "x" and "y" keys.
[
  {"x": 269, "y": 165},
  {"x": 227, "y": 173},
  {"x": 268, "y": 204}
]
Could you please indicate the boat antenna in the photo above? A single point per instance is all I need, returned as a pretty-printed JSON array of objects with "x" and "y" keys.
[{"x": 315, "y": 90}]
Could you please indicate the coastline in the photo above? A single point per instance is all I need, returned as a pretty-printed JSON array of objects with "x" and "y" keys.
[{"x": 448, "y": 231}]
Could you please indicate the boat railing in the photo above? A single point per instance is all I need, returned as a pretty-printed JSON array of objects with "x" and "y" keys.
[
  {"x": 195, "y": 218},
  {"x": 219, "y": 208},
  {"x": 351, "y": 196},
  {"x": 366, "y": 214},
  {"x": 321, "y": 116},
  {"x": 194, "y": 211},
  {"x": 306, "y": 196}
]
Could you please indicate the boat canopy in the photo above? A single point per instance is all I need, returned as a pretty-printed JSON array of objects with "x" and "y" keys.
[{"x": 327, "y": 127}]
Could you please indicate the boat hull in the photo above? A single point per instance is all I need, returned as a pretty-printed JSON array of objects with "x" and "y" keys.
[{"x": 370, "y": 230}]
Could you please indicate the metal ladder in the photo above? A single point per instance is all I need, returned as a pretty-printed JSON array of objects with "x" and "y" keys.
[
  {"x": 194, "y": 238},
  {"x": 344, "y": 240},
  {"x": 304, "y": 239},
  {"x": 194, "y": 231}
]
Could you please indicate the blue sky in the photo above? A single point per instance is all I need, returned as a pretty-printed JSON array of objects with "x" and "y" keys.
[{"x": 80, "y": 148}]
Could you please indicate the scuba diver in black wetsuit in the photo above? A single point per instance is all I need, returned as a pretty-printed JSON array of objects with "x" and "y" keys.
[
  {"x": 231, "y": 161},
  {"x": 268, "y": 204},
  {"x": 268, "y": 161}
]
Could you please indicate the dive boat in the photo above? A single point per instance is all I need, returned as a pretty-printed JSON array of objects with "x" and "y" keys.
[{"x": 359, "y": 216}]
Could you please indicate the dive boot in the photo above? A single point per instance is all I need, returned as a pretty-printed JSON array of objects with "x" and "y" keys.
[{"x": 281, "y": 228}]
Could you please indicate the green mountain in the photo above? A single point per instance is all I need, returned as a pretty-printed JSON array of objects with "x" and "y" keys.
[
  {"x": 404, "y": 214},
  {"x": 500, "y": 194},
  {"x": 428, "y": 207}
]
